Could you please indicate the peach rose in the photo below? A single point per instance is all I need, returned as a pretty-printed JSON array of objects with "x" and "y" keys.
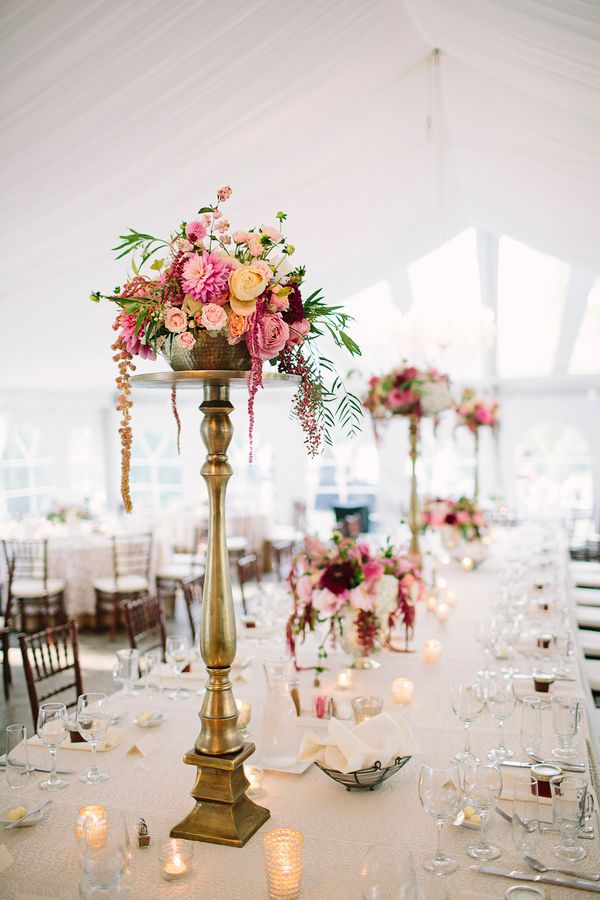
[
  {"x": 186, "y": 340},
  {"x": 245, "y": 285},
  {"x": 279, "y": 298},
  {"x": 214, "y": 317},
  {"x": 237, "y": 327},
  {"x": 175, "y": 319}
]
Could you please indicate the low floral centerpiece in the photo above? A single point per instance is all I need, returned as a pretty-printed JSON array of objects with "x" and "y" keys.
[
  {"x": 358, "y": 595},
  {"x": 213, "y": 298},
  {"x": 464, "y": 517}
]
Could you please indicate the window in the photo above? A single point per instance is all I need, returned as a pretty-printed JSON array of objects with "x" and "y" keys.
[
  {"x": 27, "y": 470},
  {"x": 346, "y": 474},
  {"x": 156, "y": 477},
  {"x": 553, "y": 469},
  {"x": 585, "y": 357},
  {"x": 86, "y": 479}
]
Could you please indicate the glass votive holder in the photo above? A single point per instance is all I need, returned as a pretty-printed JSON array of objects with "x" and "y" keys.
[
  {"x": 345, "y": 679},
  {"x": 431, "y": 650},
  {"x": 442, "y": 612},
  {"x": 91, "y": 827},
  {"x": 403, "y": 690},
  {"x": 366, "y": 707},
  {"x": 254, "y": 774},
  {"x": 244, "y": 715},
  {"x": 175, "y": 858},
  {"x": 283, "y": 852},
  {"x": 467, "y": 564}
]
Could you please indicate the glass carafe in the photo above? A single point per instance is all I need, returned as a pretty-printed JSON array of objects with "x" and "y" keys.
[{"x": 278, "y": 732}]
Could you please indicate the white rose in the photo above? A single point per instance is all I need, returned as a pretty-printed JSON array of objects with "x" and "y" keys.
[
  {"x": 435, "y": 398},
  {"x": 386, "y": 595}
]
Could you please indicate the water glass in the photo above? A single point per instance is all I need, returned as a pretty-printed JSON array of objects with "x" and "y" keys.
[
  {"x": 572, "y": 805},
  {"x": 150, "y": 662},
  {"x": 440, "y": 793},
  {"x": 388, "y": 874},
  {"x": 52, "y": 730},
  {"x": 525, "y": 814},
  {"x": 104, "y": 869},
  {"x": 483, "y": 786},
  {"x": 177, "y": 654},
  {"x": 365, "y": 708},
  {"x": 566, "y": 718},
  {"x": 17, "y": 757},
  {"x": 467, "y": 703},
  {"x": 531, "y": 725},
  {"x": 93, "y": 719},
  {"x": 501, "y": 703},
  {"x": 126, "y": 669}
]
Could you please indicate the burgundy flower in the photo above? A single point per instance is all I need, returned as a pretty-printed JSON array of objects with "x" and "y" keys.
[
  {"x": 338, "y": 577},
  {"x": 451, "y": 519},
  {"x": 295, "y": 311}
]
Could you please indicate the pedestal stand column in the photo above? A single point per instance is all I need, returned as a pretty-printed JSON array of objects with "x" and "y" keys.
[{"x": 414, "y": 519}]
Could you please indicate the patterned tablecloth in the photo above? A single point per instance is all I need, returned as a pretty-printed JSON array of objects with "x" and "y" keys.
[{"x": 338, "y": 826}]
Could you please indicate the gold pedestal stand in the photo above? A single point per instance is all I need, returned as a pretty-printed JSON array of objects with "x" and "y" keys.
[
  {"x": 414, "y": 519},
  {"x": 222, "y": 814},
  {"x": 476, "y": 484}
]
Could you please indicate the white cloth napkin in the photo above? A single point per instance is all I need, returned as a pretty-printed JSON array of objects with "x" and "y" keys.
[{"x": 350, "y": 748}]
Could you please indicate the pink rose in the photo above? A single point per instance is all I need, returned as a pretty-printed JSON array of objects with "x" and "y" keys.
[
  {"x": 373, "y": 570},
  {"x": 304, "y": 587},
  {"x": 279, "y": 302},
  {"x": 262, "y": 266},
  {"x": 214, "y": 317},
  {"x": 195, "y": 231},
  {"x": 483, "y": 415},
  {"x": 186, "y": 340},
  {"x": 298, "y": 332},
  {"x": 462, "y": 517},
  {"x": 326, "y": 601},
  {"x": 273, "y": 335},
  {"x": 175, "y": 319}
]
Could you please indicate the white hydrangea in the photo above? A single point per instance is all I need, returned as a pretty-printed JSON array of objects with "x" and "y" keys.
[
  {"x": 435, "y": 398},
  {"x": 386, "y": 596}
]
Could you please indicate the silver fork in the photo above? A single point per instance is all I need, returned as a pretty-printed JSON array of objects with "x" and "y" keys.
[{"x": 540, "y": 867}]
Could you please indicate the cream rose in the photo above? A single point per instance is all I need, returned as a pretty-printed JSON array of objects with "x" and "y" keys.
[
  {"x": 245, "y": 285},
  {"x": 186, "y": 340},
  {"x": 175, "y": 319},
  {"x": 214, "y": 317}
]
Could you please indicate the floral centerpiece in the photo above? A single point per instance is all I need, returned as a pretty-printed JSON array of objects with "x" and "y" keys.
[
  {"x": 212, "y": 298},
  {"x": 463, "y": 516},
  {"x": 359, "y": 595},
  {"x": 475, "y": 411},
  {"x": 407, "y": 391}
]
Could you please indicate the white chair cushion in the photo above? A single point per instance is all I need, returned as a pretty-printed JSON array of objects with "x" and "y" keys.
[
  {"x": 588, "y": 616},
  {"x": 124, "y": 584},
  {"x": 586, "y": 574},
  {"x": 236, "y": 543},
  {"x": 33, "y": 588},
  {"x": 590, "y": 643},
  {"x": 586, "y": 596},
  {"x": 592, "y": 670},
  {"x": 177, "y": 571}
]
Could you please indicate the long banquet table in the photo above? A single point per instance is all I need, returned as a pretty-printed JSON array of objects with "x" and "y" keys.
[{"x": 338, "y": 826}]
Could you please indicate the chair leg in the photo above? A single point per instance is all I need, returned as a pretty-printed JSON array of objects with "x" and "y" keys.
[
  {"x": 114, "y": 619},
  {"x": 6, "y": 676}
]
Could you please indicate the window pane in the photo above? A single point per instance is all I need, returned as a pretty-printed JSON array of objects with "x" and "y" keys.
[
  {"x": 44, "y": 476},
  {"x": 586, "y": 352},
  {"x": 16, "y": 477},
  {"x": 18, "y": 505}
]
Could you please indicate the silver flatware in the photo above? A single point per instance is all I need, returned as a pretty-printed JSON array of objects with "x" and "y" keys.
[
  {"x": 522, "y": 677},
  {"x": 529, "y": 826},
  {"x": 44, "y": 769},
  {"x": 586, "y": 833},
  {"x": 540, "y": 867},
  {"x": 566, "y": 767},
  {"x": 28, "y": 815},
  {"x": 579, "y": 884}
]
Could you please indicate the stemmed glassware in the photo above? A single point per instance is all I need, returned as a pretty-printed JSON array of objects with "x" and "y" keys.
[
  {"x": 501, "y": 702},
  {"x": 52, "y": 730},
  {"x": 150, "y": 671},
  {"x": 573, "y": 804},
  {"x": 566, "y": 717},
  {"x": 483, "y": 786},
  {"x": 177, "y": 655},
  {"x": 17, "y": 757},
  {"x": 531, "y": 725},
  {"x": 467, "y": 703},
  {"x": 485, "y": 638},
  {"x": 440, "y": 793},
  {"x": 93, "y": 719},
  {"x": 126, "y": 669}
]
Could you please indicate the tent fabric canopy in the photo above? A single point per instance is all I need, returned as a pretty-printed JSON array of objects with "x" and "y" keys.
[{"x": 338, "y": 112}]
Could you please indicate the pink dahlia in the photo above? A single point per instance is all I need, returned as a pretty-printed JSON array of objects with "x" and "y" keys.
[
  {"x": 195, "y": 231},
  {"x": 132, "y": 337},
  {"x": 205, "y": 277}
]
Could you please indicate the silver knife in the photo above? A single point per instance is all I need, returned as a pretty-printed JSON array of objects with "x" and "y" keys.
[
  {"x": 586, "y": 833},
  {"x": 44, "y": 769},
  {"x": 27, "y": 815},
  {"x": 566, "y": 767},
  {"x": 523, "y": 677},
  {"x": 580, "y": 884}
]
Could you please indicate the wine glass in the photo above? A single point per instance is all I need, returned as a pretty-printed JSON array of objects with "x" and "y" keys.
[
  {"x": 467, "y": 703},
  {"x": 483, "y": 786},
  {"x": 484, "y": 637},
  {"x": 126, "y": 669},
  {"x": 440, "y": 794},
  {"x": 149, "y": 669},
  {"x": 531, "y": 725},
  {"x": 566, "y": 717},
  {"x": 501, "y": 701},
  {"x": 17, "y": 757},
  {"x": 177, "y": 655},
  {"x": 388, "y": 874},
  {"x": 93, "y": 718},
  {"x": 52, "y": 730}
]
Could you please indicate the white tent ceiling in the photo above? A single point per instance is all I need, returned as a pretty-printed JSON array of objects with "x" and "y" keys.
[{"x": 134, "y": 112}]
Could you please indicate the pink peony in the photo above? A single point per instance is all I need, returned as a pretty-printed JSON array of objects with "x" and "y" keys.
[
  {"x": 298, "y": 332},
  {"x": 205, "y": 277},
  {"x": 273, "y": 334},
  {"x": 214, "y": 317},
  {"x": 186, "y": 340},
  {"x": 326, "y": 601},
  {"x": 224, "y": 193},
  {"x": 361, "y": 598},
  {"x": 175, "y": 319},
  {"x": 132, "y": 338},
  {"x": 195, "y": 231}
]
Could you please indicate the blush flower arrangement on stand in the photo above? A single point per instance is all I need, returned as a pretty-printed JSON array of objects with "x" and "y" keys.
[
  {"x": 475, "y": 412},
  {"x": 217, "y": 298},
  {"x": 464, "y": 517},
  {"x": 360, "y": 596}
]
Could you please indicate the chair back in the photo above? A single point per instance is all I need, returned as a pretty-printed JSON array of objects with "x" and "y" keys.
[
  {"x": 145, "y": 624},
  {"x": 6, "y": 577},
  {"x": 132, "y": 554},
  {"x": 353, "y": 526},
  {"x": 51, "y": 656},
  {"x": 248, "y": 573},
  {"x": 283, "y": 552},
  {"x": 26, "y": 559},
  {"x": 193, "y": 590}
]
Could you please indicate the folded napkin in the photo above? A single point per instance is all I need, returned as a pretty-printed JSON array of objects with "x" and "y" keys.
[
  {"x": 350, "y": 748},
  {"x": 112, "y": 740}
]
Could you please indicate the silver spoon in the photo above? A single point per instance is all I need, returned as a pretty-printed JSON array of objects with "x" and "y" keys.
[{"x": 540, "y": 867}]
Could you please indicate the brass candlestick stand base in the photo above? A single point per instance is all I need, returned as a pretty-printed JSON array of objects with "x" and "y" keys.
[
  {"x": 414, "y": 522},
  {"x": 222, "y": 814}
]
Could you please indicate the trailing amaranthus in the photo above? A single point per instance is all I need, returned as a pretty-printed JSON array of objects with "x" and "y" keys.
[{"x": 126, "y": 368}]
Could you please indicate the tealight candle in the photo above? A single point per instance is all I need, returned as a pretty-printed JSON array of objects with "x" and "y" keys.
[
  {"x": 91, "y": 827},
  {"x": 442, "y": 612},
  {"x": 175, "y": 859},
  {"x": 403, "y": 690},
  {"x": 254, "y": 774},
  {"x": 283, "y": 850},
  {"x": 467, "y": 563},
  {"x": 344, "y": 679},
  {"x": 366, "y": 708},
  {"x": 442, "y": 583},
  {"x": 451, "y": 598},
  {"x": 244, "y": 714},
  {"x": 431, "y": 603},
  {"x": 431, "y": 650},
  {"x": 445, "y": 559}
]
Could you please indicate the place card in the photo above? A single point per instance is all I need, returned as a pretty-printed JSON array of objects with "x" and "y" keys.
[
  {"x": 143, "y": 747},
  {"x": 6, "y": 859}
]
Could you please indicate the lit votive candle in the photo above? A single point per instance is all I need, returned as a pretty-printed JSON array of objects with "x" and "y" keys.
[
  {"x": 254, "y": 774},
  {"x": 431, "y": 603},
  {"x": 445, "y": 559},
  {"x": 442, "y": 612},
  {"x": 283, "y": 850},
  {"x": 244, "y": 713},
  {"x": 403, "y": 690},
  {"x": 344, "y": 679},
  {"x": 175, "y": 859},
  {"x": 366, "y": 708},
  {"x": 451, "y": 598},
  {"x": 467, "y": 563},
  {"x": 431, "y": 650},
  {"x": 91, "y": 827},
  {"x": 442, "y": 583}
]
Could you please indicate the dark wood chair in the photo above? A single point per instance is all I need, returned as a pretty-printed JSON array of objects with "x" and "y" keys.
[
  {"x": 51, "y": 655},
  {"x": 131, "y": 555},
  {"x": 29, "y": 587},
  {"x": 185, "y": 562},
  {"x": 193, "y": 590},
  {"x": 5, "y": 630},
  {"x": 282, "y": 553},
  {"x": 145, "y": 624},
  {"x": 353, "y": 526},
  {"x": 248, "y": 573}
]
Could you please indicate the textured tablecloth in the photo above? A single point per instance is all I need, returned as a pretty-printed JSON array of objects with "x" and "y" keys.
[{"x": 338, "y": 826}]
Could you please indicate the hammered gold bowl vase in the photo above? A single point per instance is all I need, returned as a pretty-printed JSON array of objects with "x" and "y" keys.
[{"x": 208, "y": 353}]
